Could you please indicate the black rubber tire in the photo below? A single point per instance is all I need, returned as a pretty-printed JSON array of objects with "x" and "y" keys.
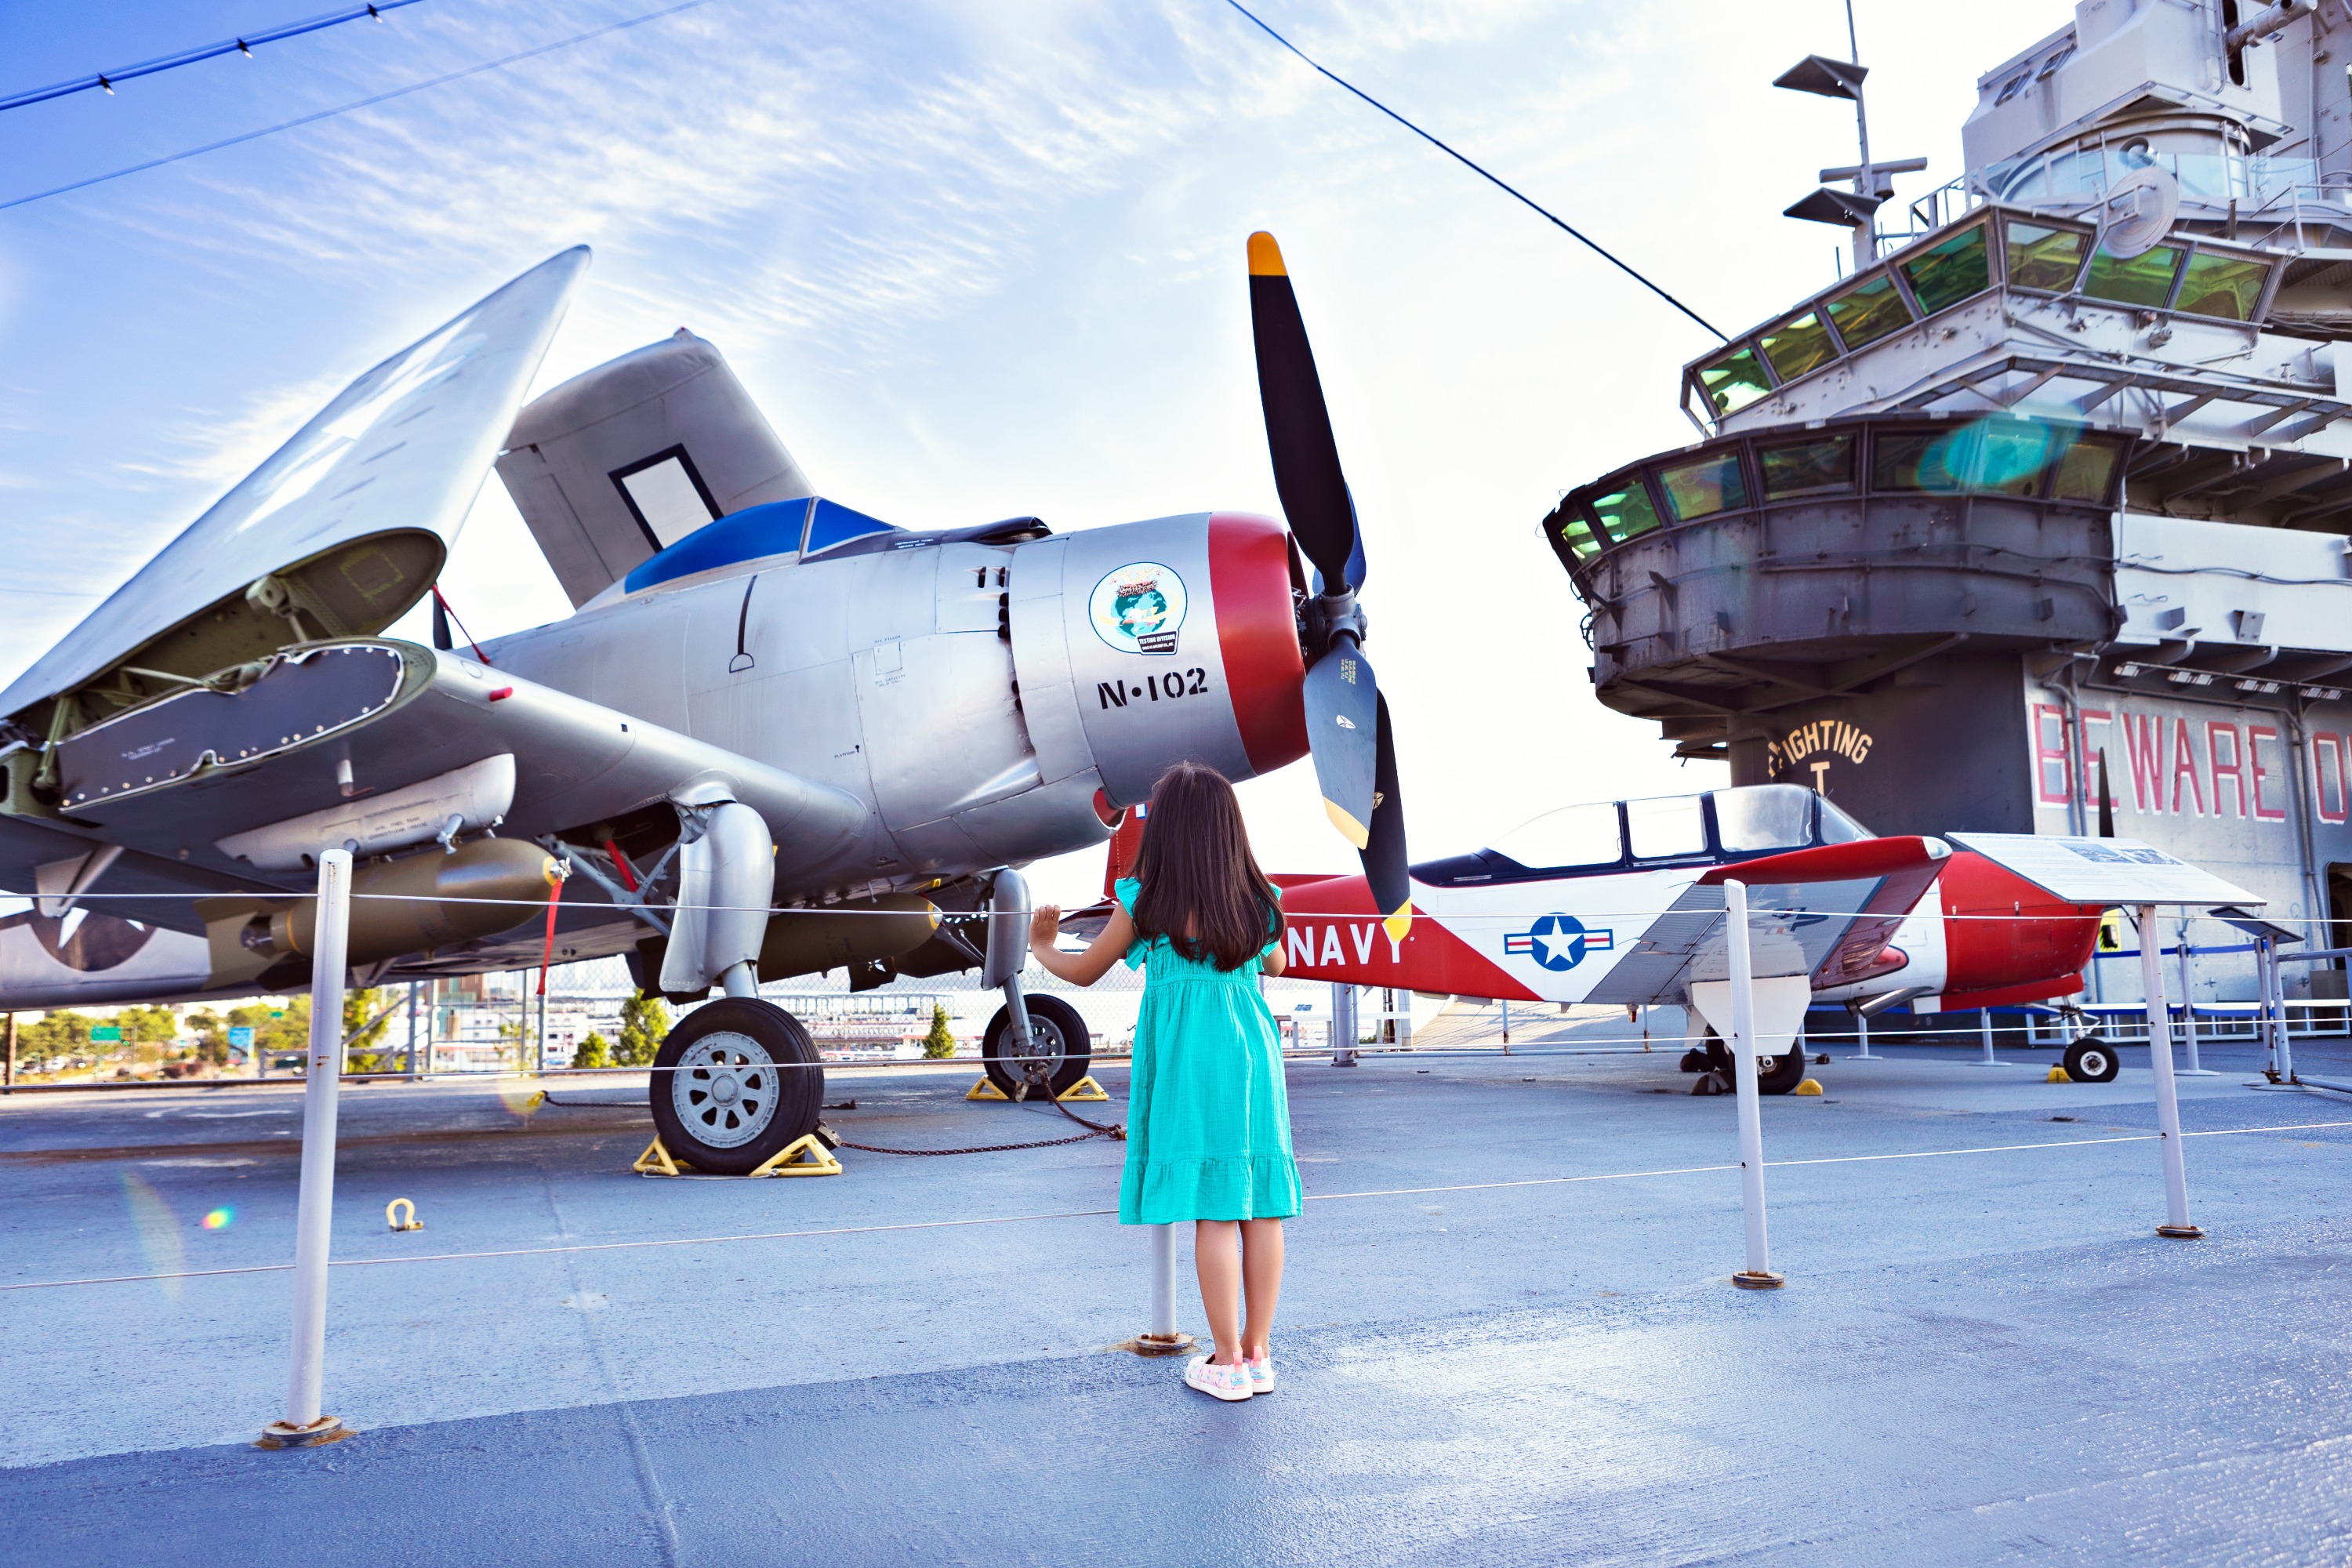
[
  {"x": 1774, "y": 1075},
  {"x": 1694, "y": 1061},
  {"x": 1778, "y": 1075},
  {"x": 1054, "y": 1024},
  {"x": 2092, "y": 1059},
  {"x": 792, "y": 1076}
]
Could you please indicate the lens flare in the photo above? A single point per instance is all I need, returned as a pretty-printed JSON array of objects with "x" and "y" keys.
[
  {"x": 219, "y": 1220},
  {"x": 158, "y": 1232},
  {"x": 522, "y": 1097}
]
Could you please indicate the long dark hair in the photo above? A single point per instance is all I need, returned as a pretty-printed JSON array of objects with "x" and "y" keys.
[{"x": 1198, "y": 874}]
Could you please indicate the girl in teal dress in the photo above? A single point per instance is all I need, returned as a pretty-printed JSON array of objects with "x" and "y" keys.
[{"x": 1208, "y": 1128}]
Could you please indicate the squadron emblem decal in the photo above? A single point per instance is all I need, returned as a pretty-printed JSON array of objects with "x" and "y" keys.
[{"x": 1139, "y": 608}]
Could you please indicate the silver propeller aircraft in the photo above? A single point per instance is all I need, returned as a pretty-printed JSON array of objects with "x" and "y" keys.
[{"x": 776, "y": 736}]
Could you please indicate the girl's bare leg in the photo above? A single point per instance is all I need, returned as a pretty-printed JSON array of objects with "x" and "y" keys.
[
  {"x": 1260, "y": 1281},
  {"x": 1217, "y": 1257}
]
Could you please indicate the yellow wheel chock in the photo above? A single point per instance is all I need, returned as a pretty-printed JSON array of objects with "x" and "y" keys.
[
  {"x": 1085, "y": 1088},
  {"x": 808, "y": 1156},
  {"x": 655, "y": 1161},
  {"x": 392, "y": 1216}
]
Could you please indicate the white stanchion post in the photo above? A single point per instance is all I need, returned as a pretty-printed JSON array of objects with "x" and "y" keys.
[
  {"x": 314, "y": 1213},
  {"x": 2168, "y": 1102},
  {"x": 1343, "y": 1024},
  {"x": 2189, "y": 1010},
  {"x": 1757, "y": 1275},
  {"x": 1984, "y": 1030},
  {"x": 2275, "y": 991},
  {"x": 1163, "y": 1338}
]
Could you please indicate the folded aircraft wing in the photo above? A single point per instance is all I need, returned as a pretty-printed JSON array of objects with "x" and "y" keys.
[
  {"x": 337, "y": 533},
  {"x": 381, "y": 742},
  {"x": 1824, "y": 913}
]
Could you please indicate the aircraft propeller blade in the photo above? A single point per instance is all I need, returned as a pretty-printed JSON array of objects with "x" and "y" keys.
[
  {"x": 1343, "y": 719},
  {"x": 1387, "y": 872},
  {"x": 1315, "y": 500},
  {"x": 1347, "y": 718}
]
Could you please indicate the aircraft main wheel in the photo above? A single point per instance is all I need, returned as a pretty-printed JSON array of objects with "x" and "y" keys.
[
  {"x": 1778, "y": 1075},
  {"x": 745, "y": 1081},
  {"x": 1774, "y": 1075},
  {"x": 1059, "y": 1046},
  {"x": 2092, "y": 1060}
]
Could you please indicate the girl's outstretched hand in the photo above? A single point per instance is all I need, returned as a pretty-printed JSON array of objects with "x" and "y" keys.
[{"x": 1044, "y": 925}]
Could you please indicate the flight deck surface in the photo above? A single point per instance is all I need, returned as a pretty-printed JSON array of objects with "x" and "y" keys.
[{"x": 1977, "y": 1356}]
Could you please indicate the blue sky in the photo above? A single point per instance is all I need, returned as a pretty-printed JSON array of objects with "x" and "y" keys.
[{"x": 974, "y": 259}]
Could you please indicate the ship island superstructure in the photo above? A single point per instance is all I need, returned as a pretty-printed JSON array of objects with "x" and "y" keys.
[{"x": 2037, "y": 520}]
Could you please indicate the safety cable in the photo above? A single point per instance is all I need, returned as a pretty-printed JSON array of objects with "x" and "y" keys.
[
  {"x": 1463, "y": 917},
  {"x": 1098, "y": 1214}
]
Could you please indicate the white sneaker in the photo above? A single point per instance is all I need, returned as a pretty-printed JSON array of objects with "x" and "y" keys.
[
  {"x": 1230, "y": 1384},
  {"x": 1261, "y": 1373}
]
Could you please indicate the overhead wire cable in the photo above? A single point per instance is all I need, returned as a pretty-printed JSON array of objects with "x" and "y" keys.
[
  {"x": 241, "y": 45},
  {"x": 1485, "y": 174},
  {"x": 312, "y": 118}
]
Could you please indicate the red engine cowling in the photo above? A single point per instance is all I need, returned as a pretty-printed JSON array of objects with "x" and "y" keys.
[{"x": 2005, "y": 940}]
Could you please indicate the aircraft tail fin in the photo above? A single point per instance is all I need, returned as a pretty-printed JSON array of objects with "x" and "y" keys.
[{"x": 628, "y": 458}]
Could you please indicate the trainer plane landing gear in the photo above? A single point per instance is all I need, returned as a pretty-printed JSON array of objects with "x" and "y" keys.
[
  {"x": 2092, "y": 1059},
  {"x": 744, "y": 1081},
  {"x": 1774, "y": 1075}
]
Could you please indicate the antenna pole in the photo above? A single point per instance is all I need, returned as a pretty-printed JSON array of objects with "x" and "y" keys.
[{"x": 1865, "y": 178}]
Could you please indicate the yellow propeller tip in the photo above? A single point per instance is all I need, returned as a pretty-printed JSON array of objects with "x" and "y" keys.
[
  {"x": 1354, "y": 832},
  {"x": 1265, "y": 260},
  {"x": 1398, "y": 924}
]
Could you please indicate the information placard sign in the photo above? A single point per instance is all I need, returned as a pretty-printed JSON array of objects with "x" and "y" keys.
[{"x": 2104, "y": 870}]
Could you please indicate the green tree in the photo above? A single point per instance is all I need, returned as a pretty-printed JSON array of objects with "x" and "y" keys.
[
  {"x": 212, "y": 1036},
  {"x": 645, "y": 1023},
  {"x": 595, "y": 1051},
  {"x": 55, "y": 1038},
  {"x": 939, "y": 1044}
]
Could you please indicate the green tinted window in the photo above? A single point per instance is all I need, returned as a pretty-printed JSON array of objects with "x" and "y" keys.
[
  {"x": 1627, "y": 513},
  {"x": 1809, "y": 468},
  {"x": 1798, "y": 345},
  {"x": 2142, "y": 281},
  {"x": 2084, "y": 471},
  {"x": 1576, "y": 531},
  {"x": 1733, "y": 382},
  {"x": 1869, "y": 311},
  {"x": 2225, "y": 286},
  {"x": 1900, "y": 460},
  {"x": 1950, "y": 272},
  {"x": 1701, "y": 488},
  {"x": 2043, "y": 258}
]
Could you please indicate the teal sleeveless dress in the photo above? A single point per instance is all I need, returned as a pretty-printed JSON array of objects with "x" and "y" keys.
[{"x": 1208, "y": 1123}]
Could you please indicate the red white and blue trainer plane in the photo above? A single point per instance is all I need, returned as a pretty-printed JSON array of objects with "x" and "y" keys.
[{"x": 1620, "y": 902}]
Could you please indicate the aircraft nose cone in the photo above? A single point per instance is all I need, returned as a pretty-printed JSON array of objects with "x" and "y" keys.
[{"x": 1257, "y": 635}]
